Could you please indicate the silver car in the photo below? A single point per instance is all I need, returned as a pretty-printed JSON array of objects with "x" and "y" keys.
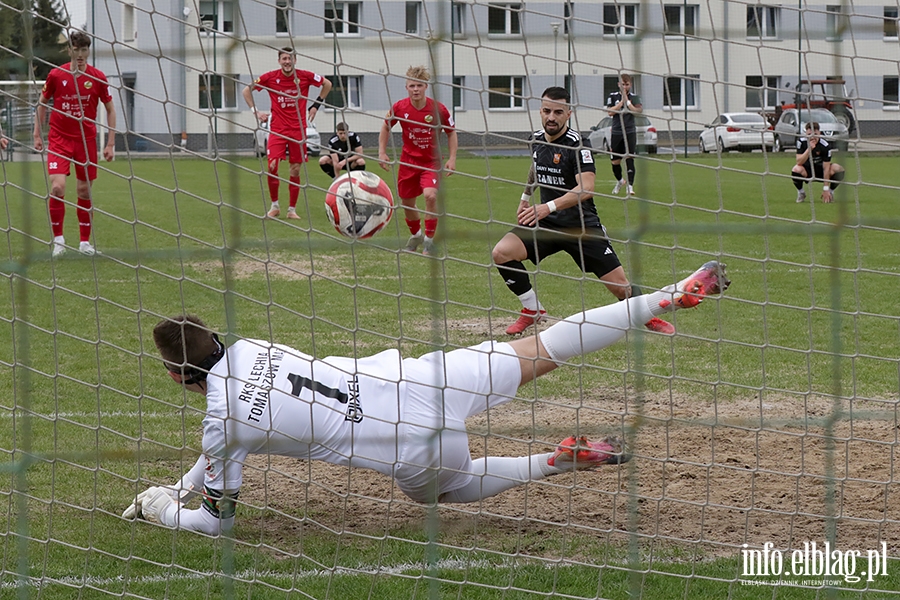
[
  {"x": 313, "y": 139},
  {"x": 793, "y": 121},
  {"x": 646, "y": 134}
]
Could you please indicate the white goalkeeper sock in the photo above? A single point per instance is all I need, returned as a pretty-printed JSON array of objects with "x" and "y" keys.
[{"x": 495, "y": 474}]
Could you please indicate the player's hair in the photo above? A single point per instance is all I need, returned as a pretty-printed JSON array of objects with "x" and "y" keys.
[
  {"x": 285, "y": 50},
  {"x": 79, "y": 39},
  {"x": 812, "y": 126},
  {"x": 419, "y": 72},
  {"x": 183, "y": 339},
  {"x": 625, "y": 78},
  {"x": 342, "y": 127},
  {"x": 557, "y": 93}
]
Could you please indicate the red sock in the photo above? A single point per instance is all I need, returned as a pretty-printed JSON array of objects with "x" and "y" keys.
[
  {"x": 57, "y": 215},
  {"x": 414, "y": 226},
  {"x": 84, "y": 219},
  {"x": 294, "y": 190},
  {"x": 430, "y": 227},
  {"x": 273, "y": 184}
]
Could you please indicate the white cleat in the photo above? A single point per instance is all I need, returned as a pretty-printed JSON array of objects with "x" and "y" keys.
[
  {"x": 619, "y": 185},
  {"x": 59, "y": 246},
  {"x": 87, "y": 249}
]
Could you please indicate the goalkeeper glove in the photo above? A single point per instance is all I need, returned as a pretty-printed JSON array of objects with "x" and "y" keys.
[{"x": 141, "y": 507}]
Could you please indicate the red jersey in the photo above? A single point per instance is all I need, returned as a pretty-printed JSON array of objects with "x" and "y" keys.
[
  {"x": 421, "y": 127},
  {"x": 288, "y": 94},
  {"x": 75, "y": 100}
]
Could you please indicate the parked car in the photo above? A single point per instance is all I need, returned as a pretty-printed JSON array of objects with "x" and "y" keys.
[
  {"x": 743, "y": 131},
  {"x": 313, "y": 139},
  {"x": 830, "y": 94},
  {"x": 793, "y": 121},
  {"x": 646, "y": 134}
]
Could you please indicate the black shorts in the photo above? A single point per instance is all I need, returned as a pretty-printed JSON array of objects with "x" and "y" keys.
[
  {"x": 817, "y": 170},
  {"x": 621, "y": 145},
  {"x": 591, "y": 250}
]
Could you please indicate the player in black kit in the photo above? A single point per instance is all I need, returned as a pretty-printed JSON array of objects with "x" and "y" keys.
[
  {"x": 563, "y": 168},
  {"x": 814, "y": 163},
  {"x": 622, "y": 106},
  {"x": 345, "y": 152}
]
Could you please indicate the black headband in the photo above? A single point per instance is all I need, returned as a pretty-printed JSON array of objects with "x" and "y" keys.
[{"x": 196, "y": 374}]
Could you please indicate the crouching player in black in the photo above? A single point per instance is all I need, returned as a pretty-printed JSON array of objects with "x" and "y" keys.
[
  {"x": 345, "y": 152},
  {"x": 814, "y": 163}
]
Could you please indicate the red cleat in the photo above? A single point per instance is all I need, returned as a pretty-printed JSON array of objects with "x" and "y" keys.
[
  {"x": 659, "y": 326},
  {"x": 529, "y": 317},
  {"x": 579, "y": 453}
]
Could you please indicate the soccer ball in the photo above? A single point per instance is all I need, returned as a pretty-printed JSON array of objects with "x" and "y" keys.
[{"x": 359, "y": 204}]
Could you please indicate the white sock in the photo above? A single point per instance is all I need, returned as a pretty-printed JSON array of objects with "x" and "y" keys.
[
  {"x": 59, "y": 239},
  {"x": 529, "y": 300},
  {"x": 597, "y": 328},
  {"x": 495, "y": 474}
]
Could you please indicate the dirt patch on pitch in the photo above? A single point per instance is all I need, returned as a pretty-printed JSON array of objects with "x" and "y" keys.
[
  {"x": 279, "y": 266},
  {"x": 711, "y": 475}
]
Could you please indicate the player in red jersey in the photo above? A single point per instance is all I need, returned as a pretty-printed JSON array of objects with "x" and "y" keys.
[
  {"x": 421, "y": 119},
  {"x": 288, "y": 89},
  {"x": 76, "y": 89}
]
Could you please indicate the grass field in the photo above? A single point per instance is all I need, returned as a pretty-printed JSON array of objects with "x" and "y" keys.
[{"x": 85, "y": 405}]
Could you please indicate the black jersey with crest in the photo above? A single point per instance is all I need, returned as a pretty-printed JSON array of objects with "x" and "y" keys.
[{"x": 556, "y": 165}]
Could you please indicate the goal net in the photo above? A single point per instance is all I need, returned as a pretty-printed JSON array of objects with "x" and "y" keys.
[{"x": 763, "y": 431}]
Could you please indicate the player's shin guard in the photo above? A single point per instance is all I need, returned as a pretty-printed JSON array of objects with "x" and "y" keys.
[
  {"x": 494, "y": 474},
  {"x": 798, "y": 180},
  {"x": 595, "y": 329},
  {"x": 629, "y": 168},
  {"x": 836, "y": 179},
  {"x": 414, "y": 225},
  {"x": 84, "y": 219},
  {"x": 57, "y": 209},
  {"x": 294, "y": 191},
  {"x": 515, "y": 277},
  {"x": 273, "y": 181},
  {"x": 430, "y": 227},
  {"x": 328, "y": 168},
  {"x": 617, "y": 171}
]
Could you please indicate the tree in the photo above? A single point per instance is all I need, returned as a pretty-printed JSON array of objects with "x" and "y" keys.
[{"x": 42, "y": 22}]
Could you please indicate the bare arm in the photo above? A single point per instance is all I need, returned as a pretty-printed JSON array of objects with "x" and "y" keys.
[
  {"x": 39, "y": 118},
  {"x": 323, "y": 93},
  {"x": 583, "y": 190},
  {"x": 453, "y": 145},
  {"x": 109, "y": 152},
  {"x": 383, "y": 136}
]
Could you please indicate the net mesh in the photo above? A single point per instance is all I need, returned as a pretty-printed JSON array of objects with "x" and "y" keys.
[{"x": 766, "y": 427}]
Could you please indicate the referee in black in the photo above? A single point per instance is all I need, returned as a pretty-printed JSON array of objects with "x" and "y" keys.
[
  {"x": 622, "y": 106},
  {"x": 564, "y": 220},
  {"x": 345, "y": 151}
]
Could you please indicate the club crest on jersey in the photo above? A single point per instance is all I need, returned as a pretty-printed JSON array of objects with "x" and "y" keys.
[
  {"x": 557, "y": 158},
  {"x": 429, "y": 118},
  {"x": 88, "y": 85}
]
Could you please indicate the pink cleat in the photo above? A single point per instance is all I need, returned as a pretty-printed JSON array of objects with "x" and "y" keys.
[
  {"x": 706, "y": 281},
  {"x": 579, "y": 453},
  {"x": 529, "y": 317}
]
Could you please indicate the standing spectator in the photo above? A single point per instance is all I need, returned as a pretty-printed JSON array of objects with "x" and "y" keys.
[
  {"x": 288, "y": 89},
  {"x": 814, "y": 163},
  {"x": 421, "y": 119},
  {"x": 564, "y": 220},
  {"x": 346, "y": 152},
  {"x": 623, "y": 105},
  {"x": 76, "y": 89}
]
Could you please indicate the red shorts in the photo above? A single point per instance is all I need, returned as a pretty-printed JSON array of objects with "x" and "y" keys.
[
  {"x": 281, "y": 147},
  {"x": 62, "y": 150},
  {"x": 412, "y": 181}
]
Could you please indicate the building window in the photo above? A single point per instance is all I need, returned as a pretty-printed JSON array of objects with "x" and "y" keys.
[
  {"x": 458, "y": 15},
  {"x": 619, "y": 19},
  {"x": 128, "y": 28},
  {"x": 505, "y": 91},
  {"x": 680, "y": 19},
  {"x": 412, "y": 17},
  {"x": 505, "y": 19},
  {"x": 611, "y": 85},
  {"x": 218, "y": 92},
  {"x": 342, "y": 18},
  {"x": 459, "y": 84},
  {"x": 890, "y": 93},
  {"x": 681, "y": 91},
  {"x": 345, "y": 91},
  {"x": 890, "y": 22},
  {"x": 283, "y": 16},
  {"x": 762, "y": 92},
  {"x": 836, "y": 23},
  {"x": 762, "y": 22},
  {"x": 217, "y": 16}
]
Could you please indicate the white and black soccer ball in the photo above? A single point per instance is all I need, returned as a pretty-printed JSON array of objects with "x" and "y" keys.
[{"x": 359, "y": 204}]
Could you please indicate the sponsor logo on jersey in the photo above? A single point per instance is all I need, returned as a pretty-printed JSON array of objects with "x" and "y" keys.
[
  {"x": 65, "y": 82},
  {"x": 586, "y": 156},
  {"x": 557, "y": 158}
]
